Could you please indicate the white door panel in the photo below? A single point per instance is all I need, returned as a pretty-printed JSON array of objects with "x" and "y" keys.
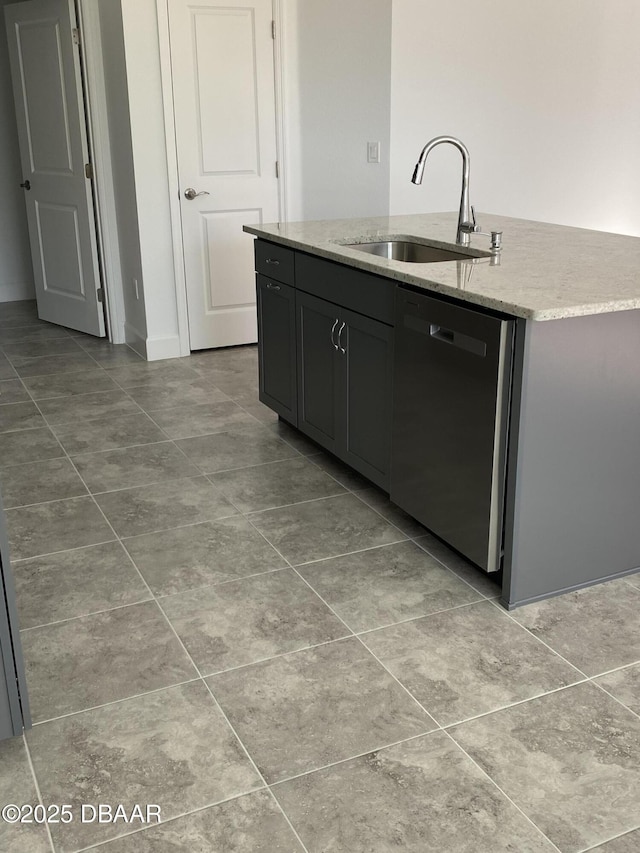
[
  {"x": 45, "y": 71},
  {"x": 224, "y": 105}
]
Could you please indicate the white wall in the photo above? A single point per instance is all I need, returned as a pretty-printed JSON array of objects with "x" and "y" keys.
[
  {"x": 16, "y": 272},
  {"x": 337, "y": 60},
  {"x": 117, "y": 109},
  {"x": 141, "y": 44},
  {"x": 545, "y": 95}
]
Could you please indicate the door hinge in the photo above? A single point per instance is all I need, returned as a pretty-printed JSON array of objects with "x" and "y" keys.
[
  {"x": 76, "y": 35},
  {"x": 273, "y": 29},
  {"x": 88, "y": 171},
  {"x": 277, "y": 169},
  {"x": 100, "y": 292}
]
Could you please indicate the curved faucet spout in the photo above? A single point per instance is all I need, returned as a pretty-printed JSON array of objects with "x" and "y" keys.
[{"x": 466, "y": 218}]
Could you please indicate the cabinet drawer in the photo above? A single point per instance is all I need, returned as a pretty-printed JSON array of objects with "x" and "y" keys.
[
  {"x": 367, "y": 294},
  {"x": 274, "y": 261}
]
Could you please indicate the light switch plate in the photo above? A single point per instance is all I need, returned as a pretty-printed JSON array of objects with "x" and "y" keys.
[{"x": 373, "y": 152}]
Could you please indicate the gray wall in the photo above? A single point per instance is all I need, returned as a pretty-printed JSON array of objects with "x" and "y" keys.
[
  {"x": 337, "y": 64},
  {"x": 16, "y": 273}
]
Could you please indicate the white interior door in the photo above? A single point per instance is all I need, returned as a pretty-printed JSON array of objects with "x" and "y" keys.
[
  {"x": 45, "y": 70},
  {"x": 224, "y": 104}
]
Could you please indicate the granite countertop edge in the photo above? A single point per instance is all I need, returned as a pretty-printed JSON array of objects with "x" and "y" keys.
[{"x": 545, "y": 271}]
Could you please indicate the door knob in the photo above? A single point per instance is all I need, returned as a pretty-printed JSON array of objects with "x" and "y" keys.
[
  {"x": 26, "y": 185},
  {"x": 190, "y": 193}
]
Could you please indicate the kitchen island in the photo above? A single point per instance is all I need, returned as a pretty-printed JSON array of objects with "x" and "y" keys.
[{"x": 562, "y": 474}]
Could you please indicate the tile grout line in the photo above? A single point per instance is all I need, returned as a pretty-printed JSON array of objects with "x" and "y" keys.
[
  {"x": 351, "y": 633},
  {"x": 349, "y": 758},
  {"x": 616, "y": 669},
  {"x": 37, "y": 787},
  {"x": 504, "y": 794},
  {"x": 412, "y": 538},
  {"x": 83, "y": 615},
  {"x": 93, "y": 416},
  {"x": 356, "y": 494},
  {"x": 514, "y": 704},
  {"x": 170, "y": 820},
  {"x": 427, "y": 615},
  {"x": 448, "y": 568},
  {"x": 276, "y": 656},
  {"x": 154, "y": 595},
  {"x": 619, "y": 701},
  {"x": 344, "y": 553},
  {"x": 278, "y": 506},
  {"x": 265, "y": 784},
  {"x": 116, "y": 701},
  {"x": 609, "y": 840},
  {"x": 217, "y": 704},
  {"x": 539, "y": 639},
  {"x": 287, "y": 819}
]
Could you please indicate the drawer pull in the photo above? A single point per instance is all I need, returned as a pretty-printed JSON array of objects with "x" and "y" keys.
[
  {"x": 273, "y": 261},
  {"x": 271, "y": 286}
]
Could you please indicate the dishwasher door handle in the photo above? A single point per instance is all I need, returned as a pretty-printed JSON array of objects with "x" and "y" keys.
[
  {"x": 441, "y": 334},
  {"x": 446, "y": 336},
  {"x": 457, "y": 339}
]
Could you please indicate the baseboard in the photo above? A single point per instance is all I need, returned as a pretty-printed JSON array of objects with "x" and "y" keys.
[
  {"x": 17, "y": 290},
  {"x": 158, "y": 348},
  {"x": 153, "y": 349}
]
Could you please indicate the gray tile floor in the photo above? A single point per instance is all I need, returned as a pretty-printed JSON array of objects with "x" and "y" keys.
[{"x": 219, "y": 619}]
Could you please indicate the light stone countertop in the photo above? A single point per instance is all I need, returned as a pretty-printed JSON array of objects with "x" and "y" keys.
[{"x": 545, "y": 271}]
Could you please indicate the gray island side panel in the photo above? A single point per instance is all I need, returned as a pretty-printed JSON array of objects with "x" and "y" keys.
[
  {"x": 14, "y": 704},
  {"x": 573, "y": 508}
]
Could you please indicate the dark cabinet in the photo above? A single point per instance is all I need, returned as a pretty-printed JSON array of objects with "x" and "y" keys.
[
  {"x": 344, "y": 384},
  {"x": 325, "y": 339},
  {"x": 277, "y": 347}
]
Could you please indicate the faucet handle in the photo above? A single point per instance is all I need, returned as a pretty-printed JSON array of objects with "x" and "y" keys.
[{"x": 470, "y": 227}]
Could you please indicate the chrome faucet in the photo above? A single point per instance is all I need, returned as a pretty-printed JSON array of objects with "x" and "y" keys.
[{"x": 467, "y": 218}]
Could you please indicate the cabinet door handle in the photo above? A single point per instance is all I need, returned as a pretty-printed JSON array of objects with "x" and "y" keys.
[
  {"x": 273, "y": 261},
  {"x": 272, "y": 286},
  {"x": 333, "y": 328},
  {"x": 342, "y": 349}
]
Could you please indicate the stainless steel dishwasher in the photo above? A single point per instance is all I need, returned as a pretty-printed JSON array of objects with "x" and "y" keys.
[{"x": 451, "y": 399}]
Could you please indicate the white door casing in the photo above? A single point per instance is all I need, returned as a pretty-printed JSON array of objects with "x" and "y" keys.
[
  {"x": 47, "y": 86},
  {"x": 222, "y": 65}
]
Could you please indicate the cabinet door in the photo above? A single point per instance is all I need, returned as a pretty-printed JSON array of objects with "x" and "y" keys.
[
  {"x": 366, "y": 353},
  {"x": 318, "y": 369},
  {"x": 277, "y": 347}
]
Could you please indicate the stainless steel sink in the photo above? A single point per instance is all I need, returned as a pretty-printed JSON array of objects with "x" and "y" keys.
[{"x": 413, "y": 253}]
